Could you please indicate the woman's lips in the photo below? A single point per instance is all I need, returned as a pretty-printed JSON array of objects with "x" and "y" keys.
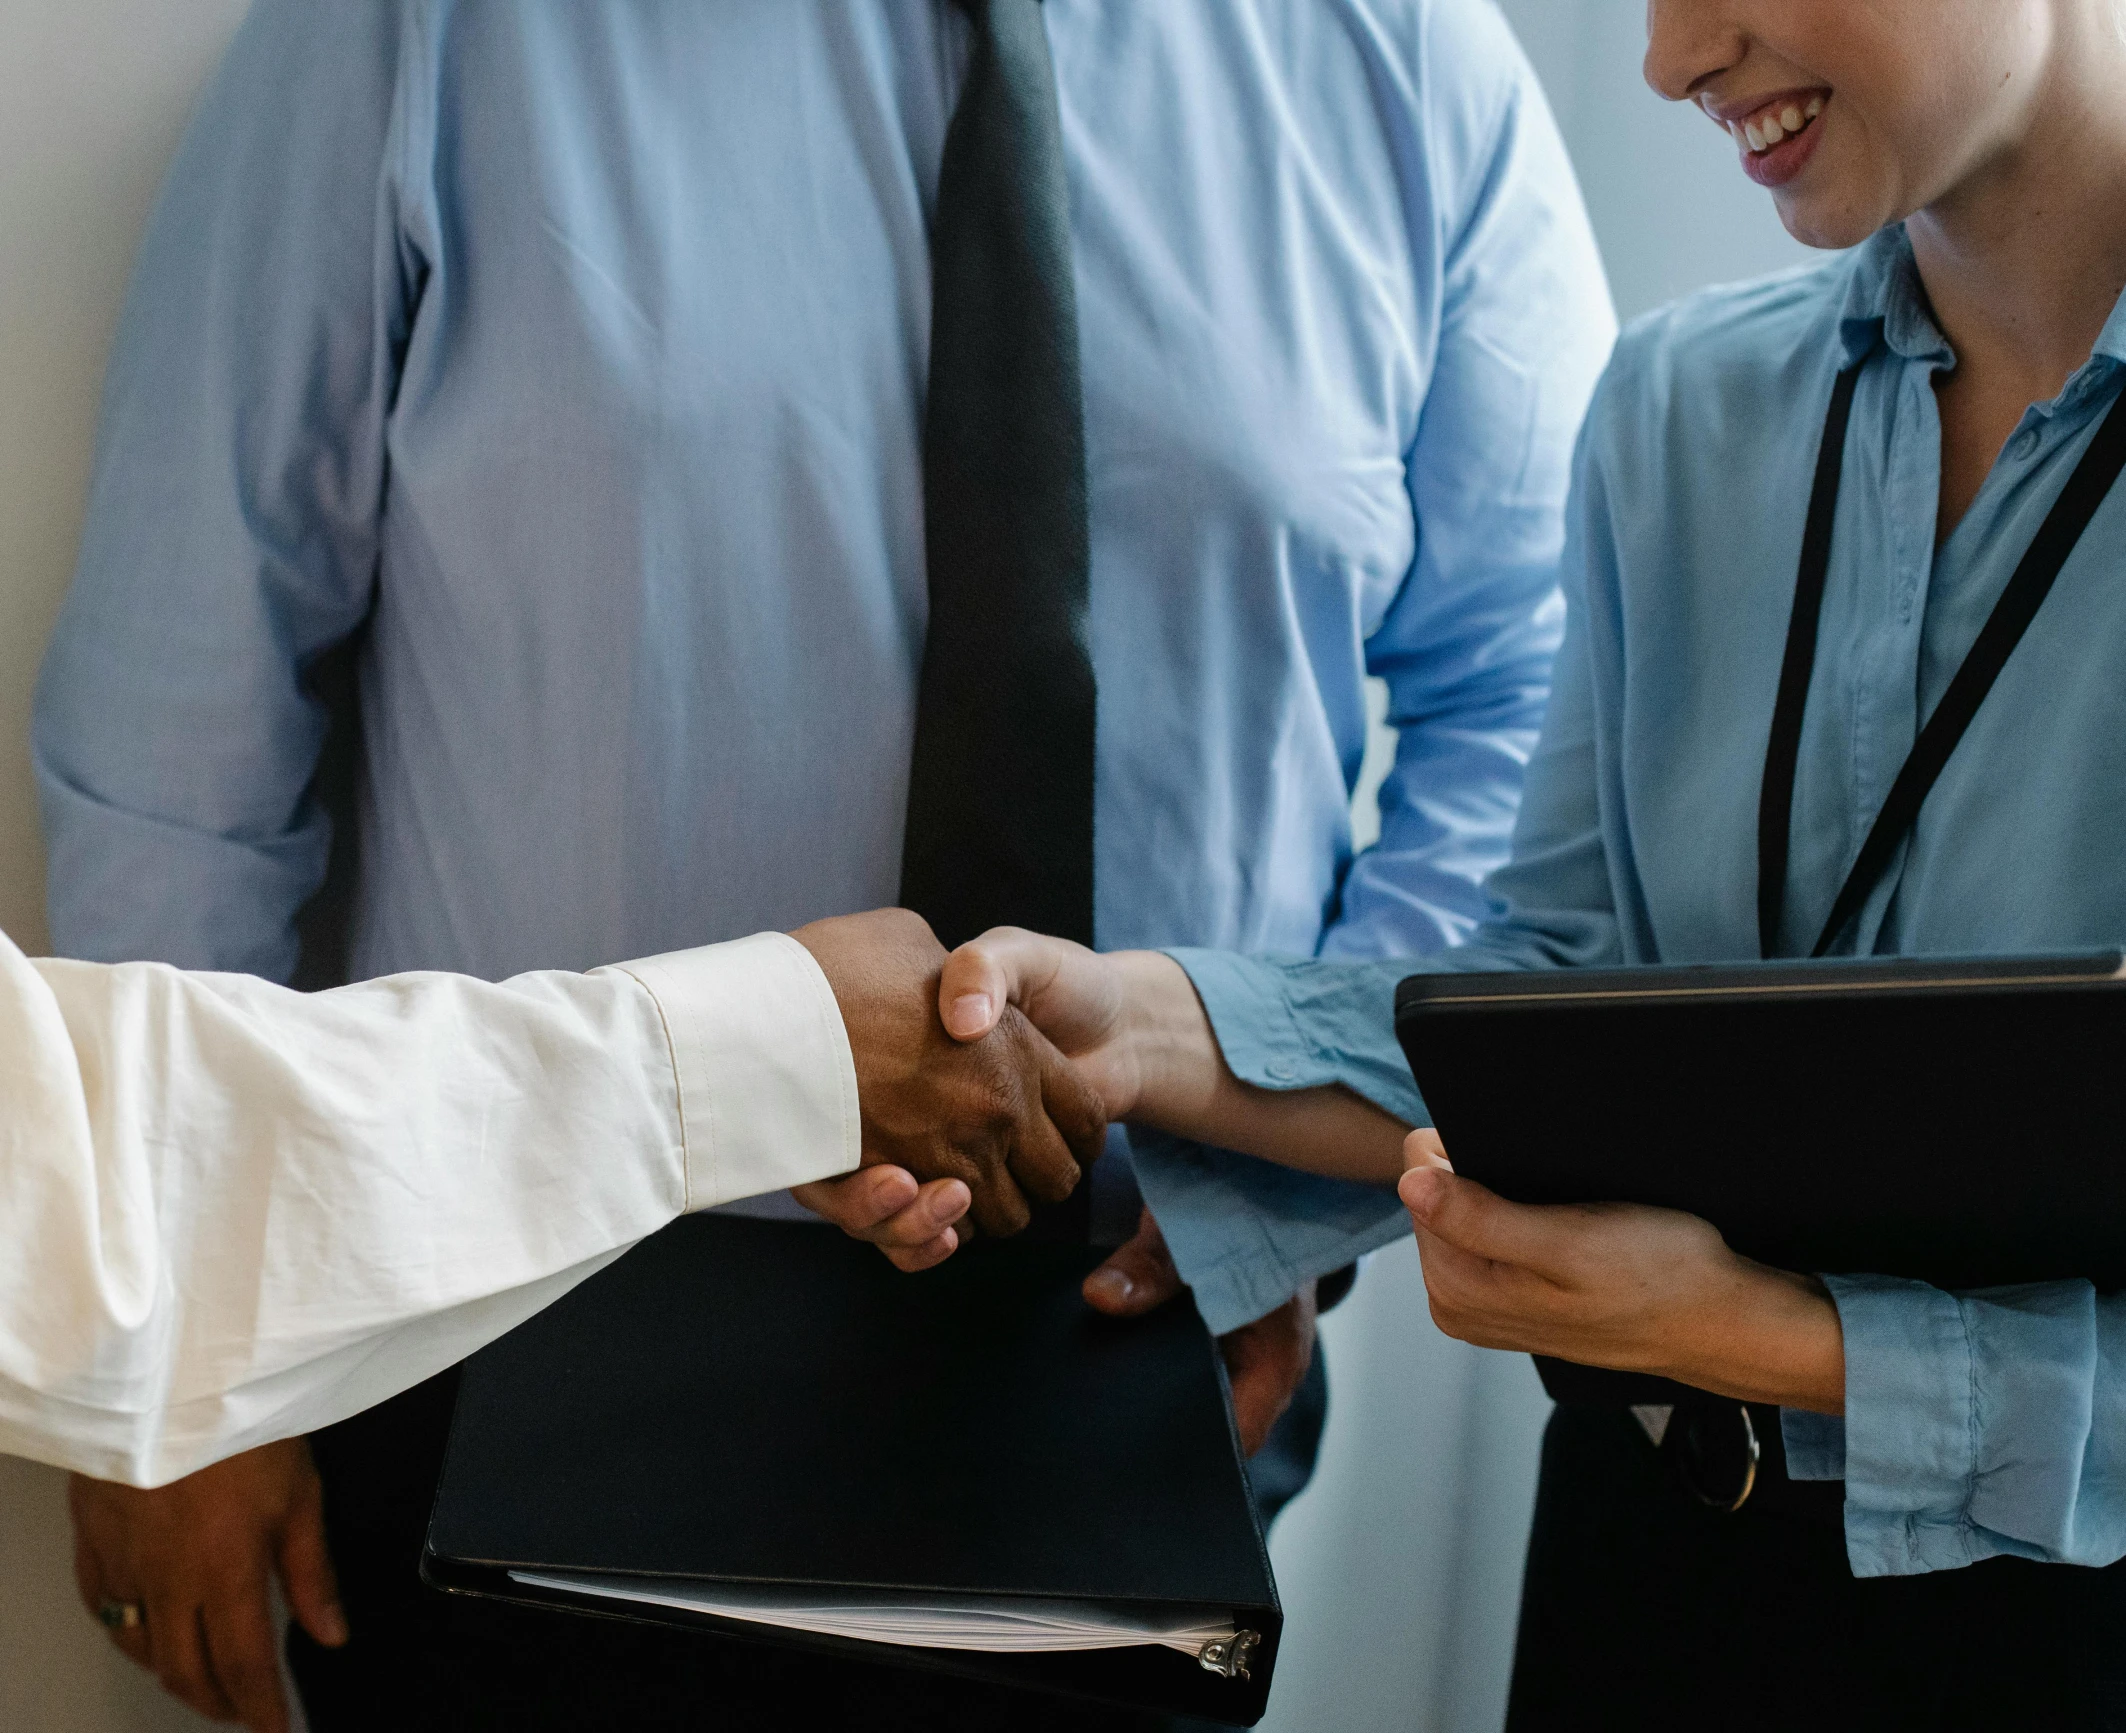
[{"x": 1776, "y": 135}]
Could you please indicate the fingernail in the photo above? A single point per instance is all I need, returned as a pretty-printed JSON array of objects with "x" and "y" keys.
[
  {"x": 969, "y": 1014},
  {"x": 1111, "y": 1286},
  {"x": 1420, "y": 1191},
  {"x": 952, "y": 1202},
  {"x": 333, "y": 1627}
]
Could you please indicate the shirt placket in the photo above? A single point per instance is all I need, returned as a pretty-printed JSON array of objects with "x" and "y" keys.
[{"x": 1885, "y": 669}]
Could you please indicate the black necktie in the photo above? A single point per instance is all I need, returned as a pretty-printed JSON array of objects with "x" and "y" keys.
[{"x": 1000, "y": 799}]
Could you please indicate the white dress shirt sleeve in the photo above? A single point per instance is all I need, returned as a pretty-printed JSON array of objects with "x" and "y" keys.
[{"x": 231, "y": 1213}]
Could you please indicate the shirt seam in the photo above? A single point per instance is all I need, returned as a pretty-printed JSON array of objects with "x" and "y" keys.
[
  {"x": 679, "y": 1090},
  {"x": 1312, "y": 1056},
  {"x": 1963, "y": 1324},
  {"x": 827, "y": 1027}
]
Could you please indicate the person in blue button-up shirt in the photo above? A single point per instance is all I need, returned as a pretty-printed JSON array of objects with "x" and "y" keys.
[
  {"x": 566, "y": 359},
  {"x": 1979, "y": 1437}
]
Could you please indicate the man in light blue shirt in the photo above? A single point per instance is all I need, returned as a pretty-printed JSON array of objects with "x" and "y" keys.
[{"x": 567, "y": 361}]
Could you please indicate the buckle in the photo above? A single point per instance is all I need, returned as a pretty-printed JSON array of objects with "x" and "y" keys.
[{"x": 1712, "y": 1449}]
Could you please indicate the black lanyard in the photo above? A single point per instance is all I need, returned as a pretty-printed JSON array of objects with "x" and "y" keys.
[{"x": 2004, "y": 628}]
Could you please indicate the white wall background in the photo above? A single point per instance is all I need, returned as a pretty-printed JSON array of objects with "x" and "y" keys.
[
  {"x": 1400, "y": 1567},
  {"x": 93, "y": 94}
]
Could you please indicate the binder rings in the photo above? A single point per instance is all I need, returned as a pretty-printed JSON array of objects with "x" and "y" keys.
[
  {"x": 762, "y": 1430},
  {"x": 1954, "y": 1121}
]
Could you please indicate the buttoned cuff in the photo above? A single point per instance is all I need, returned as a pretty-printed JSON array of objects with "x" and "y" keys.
[
  {"x": 1245, "y": 1234},
  {"x": 767, "y": 1084},
  {"x": 1815, "y": 1444},
  {"x": 1908, "y": 1427},
  {"x": 1302, "y": 1024}
]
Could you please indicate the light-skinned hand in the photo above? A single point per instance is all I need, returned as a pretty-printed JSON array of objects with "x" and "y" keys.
[
  {"x": 1131, "y": 1022},
  {"x": 1622, "y": 1286},
  {"x": 1264, "y": 1361}
]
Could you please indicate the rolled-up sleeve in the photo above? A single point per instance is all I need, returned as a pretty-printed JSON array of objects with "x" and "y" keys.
[
  {"x": 1978, "y": 1425},
  {"x": 235, "y": 512},
  {"x": 233, "y": 1213}
]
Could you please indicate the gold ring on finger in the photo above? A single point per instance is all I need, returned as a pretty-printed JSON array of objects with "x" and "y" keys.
[{"x": 116, "y": 1615}]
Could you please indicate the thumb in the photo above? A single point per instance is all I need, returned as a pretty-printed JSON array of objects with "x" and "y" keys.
[
  {"x": 1476, "y": 1220},
  {"x": 1422, "y": 1148},
  {"x": 1055, "y": 982},
  {"x": 976, "y": 985},
  {"x": 1138, "y": 1277},
  {"x": 306, "y": 1571}
]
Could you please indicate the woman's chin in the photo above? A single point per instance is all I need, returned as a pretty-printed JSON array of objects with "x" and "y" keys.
[{"x": 1826, "y": 221}]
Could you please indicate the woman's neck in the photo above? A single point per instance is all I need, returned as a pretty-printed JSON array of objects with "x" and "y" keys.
[{"x": 2025, "y": 259}]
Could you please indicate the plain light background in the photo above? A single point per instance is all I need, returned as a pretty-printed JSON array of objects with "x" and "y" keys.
[{"x": 1400, "y": 1567}]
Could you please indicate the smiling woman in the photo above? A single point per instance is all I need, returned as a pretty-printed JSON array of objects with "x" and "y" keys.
[{"x": 1869, "y": 1516}]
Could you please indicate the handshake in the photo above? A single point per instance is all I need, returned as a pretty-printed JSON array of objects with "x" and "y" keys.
[
  {"x": 986, "y": 1079},
  {"x": 981, "y": 1094}
]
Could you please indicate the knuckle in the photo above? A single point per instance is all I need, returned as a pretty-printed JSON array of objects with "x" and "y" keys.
[
  {"x": 182, "y": 1680},
  {"x": 1008, "y": 1215},
  {"x": 250, "y": 1678},
  {"x": 1061, "y": 1182}
]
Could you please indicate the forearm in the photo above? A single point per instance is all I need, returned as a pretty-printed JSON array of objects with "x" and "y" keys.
[
  {"x": 1770, "y": 1336},
  {"x": 1184, "y": 1087},
  {"x": 233, "y": 1212}
]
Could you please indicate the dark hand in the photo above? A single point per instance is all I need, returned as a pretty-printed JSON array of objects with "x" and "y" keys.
[
  {"x": 1006, "y": 1116},
  {"x": 199, "y": 1557},
  {"x": 1264, "y": 1360}
]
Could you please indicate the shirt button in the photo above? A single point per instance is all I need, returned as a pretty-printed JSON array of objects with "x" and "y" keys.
[
  {"x": 1280, "y": 1070},
  {"x": 2023, "y": 444}
]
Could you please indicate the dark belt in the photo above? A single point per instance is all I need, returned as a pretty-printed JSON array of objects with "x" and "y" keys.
[{"x": 1725, "y": 1455}]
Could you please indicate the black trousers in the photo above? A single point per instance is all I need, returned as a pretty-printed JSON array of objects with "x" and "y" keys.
[
  {"x": 420, "y": 1660},
  {"x": 1645, "y": 1609}
]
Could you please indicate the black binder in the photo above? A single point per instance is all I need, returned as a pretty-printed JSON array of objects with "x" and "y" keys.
[
  {"x": 747, "y": 1408},
  {"x": 1960, "y": 1122}
]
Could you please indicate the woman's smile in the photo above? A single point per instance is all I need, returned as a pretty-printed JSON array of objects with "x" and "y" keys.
[{"x": 1776, "y": 135}]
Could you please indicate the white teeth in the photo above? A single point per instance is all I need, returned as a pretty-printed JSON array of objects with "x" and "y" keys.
[{"x": 1765, "y": 130}]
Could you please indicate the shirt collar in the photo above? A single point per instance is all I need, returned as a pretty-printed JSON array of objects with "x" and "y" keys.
[{"x": 1886, "y": 304}]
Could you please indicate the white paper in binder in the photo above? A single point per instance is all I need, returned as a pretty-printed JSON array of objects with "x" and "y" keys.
[{"x": 994, "y": 1624}]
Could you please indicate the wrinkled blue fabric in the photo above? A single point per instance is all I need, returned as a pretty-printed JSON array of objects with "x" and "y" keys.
[{"x": 568, "y": 357}]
